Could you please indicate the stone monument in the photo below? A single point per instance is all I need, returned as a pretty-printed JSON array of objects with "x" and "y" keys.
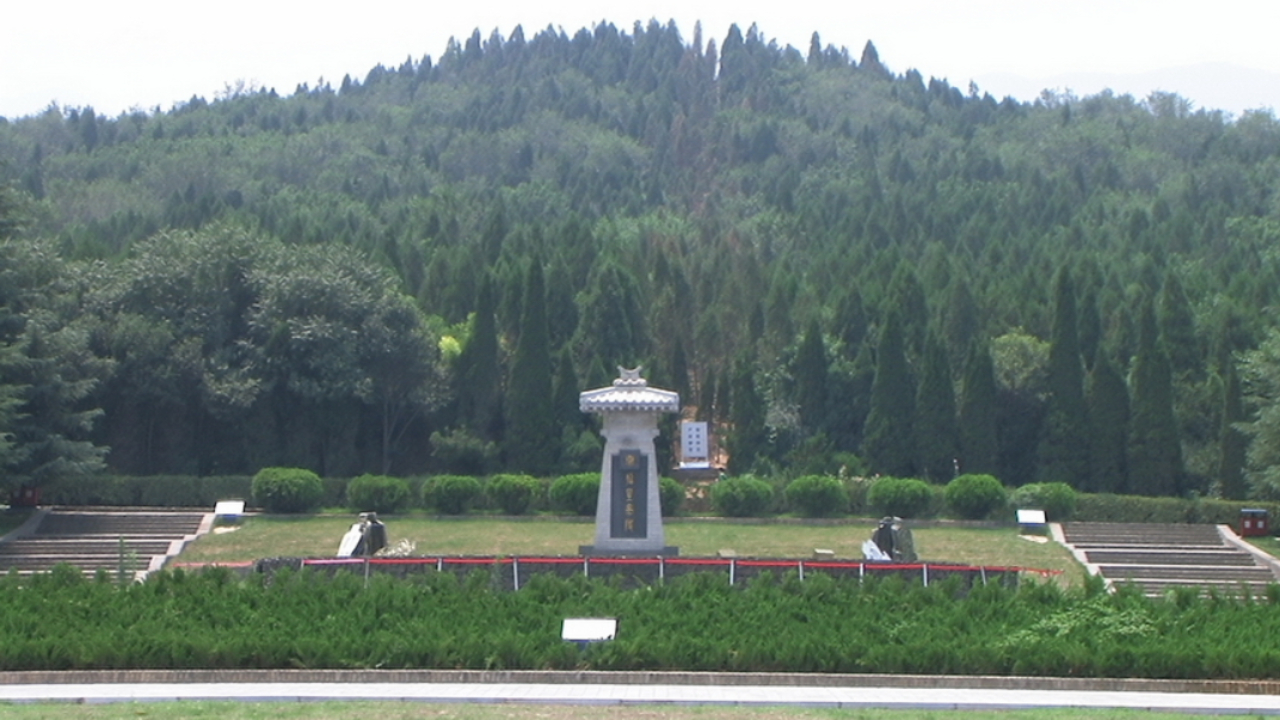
[{"x": 628, "y": 510}]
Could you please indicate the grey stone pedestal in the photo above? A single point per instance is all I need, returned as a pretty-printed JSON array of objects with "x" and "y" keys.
[{"x": 628, "y": 509}]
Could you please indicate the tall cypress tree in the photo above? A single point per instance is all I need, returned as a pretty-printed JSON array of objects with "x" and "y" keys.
[
  {"x": 907, "y": 299},
  {"x": 1090, "y": 327},
  {"x": 1155, "y": 453},
  {"x": 531, "y": 435},
  {"x": 979, "y": 443},
  {"x": 1178, "y": 329},
  {"x": 937, "y": 435},
  {"x": 1233, "y": 444},
  {"x": 1107, "y": 398},
  {"x": 749, "y": 435},
  {"x": 680, "y": 374},
  {"x": 888, "y": 442},
  {"x": 707, "y": 396},
  {"x": 1063, "y": 452},
  {"x": 850, "y": 322},
  {"x": 811, "y": 380},
  {"x": 479, "y": 384},
  {"x": 960, "y": 320}
]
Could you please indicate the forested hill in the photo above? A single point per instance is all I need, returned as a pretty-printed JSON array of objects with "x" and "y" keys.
[{"x": 842, "y": 264}]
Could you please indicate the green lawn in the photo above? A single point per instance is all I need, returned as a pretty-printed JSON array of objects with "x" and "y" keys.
[
  {"x": 318, "y": 536},
  {"x": 12, "y": 518},
  {"x": 406, "y": 710}
]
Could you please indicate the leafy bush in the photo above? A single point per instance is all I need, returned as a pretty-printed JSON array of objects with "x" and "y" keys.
[
  {"x": 576, "y": 493},
  {"x": 818, "y": 496},
  {"x": 459, "y": 451},
  {"x": 670, "y": 495},
  {"x": 287, "y": 490},
  {"x": 900, "y": 497},
  {"x": 148, "y": 490},
  {"x": 379, "y": 493},
  {"x": 513, "y": 494},
  {"x": 451, "y": 494},
  {"x": 974, "y": 497},
  {"x": 742, "y": 496},
  {"x": 1057, "y": 500}
]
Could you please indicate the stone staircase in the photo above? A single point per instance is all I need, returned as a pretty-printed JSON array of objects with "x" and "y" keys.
[
  {"x": 137, "y": 541},
  {"x": 1158, "y": 557}
]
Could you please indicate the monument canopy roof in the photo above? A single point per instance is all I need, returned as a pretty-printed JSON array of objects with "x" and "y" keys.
[{"x": 629, "y": 393}]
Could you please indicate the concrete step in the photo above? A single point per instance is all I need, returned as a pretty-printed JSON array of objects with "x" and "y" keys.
[
  {"x": 72, "y": 547},
  {"x": 1141, "y": 533},
  {"x": 84, "y": 562},
  {"x": 71, "y": 523},
  {"x": 1171, "y": 572},
  {"x": 1170, "y": 557},
  {"x": 1158, "y": 588},
  {"x": 91, "y": 540}
]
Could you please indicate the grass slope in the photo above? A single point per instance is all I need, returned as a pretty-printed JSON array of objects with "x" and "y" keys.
[{"x": 318, "y": 535}]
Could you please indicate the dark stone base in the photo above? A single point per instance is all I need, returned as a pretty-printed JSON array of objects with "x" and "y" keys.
[{"x": 591, "y": 551}]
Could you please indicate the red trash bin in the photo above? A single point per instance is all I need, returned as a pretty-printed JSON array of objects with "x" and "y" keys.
[
  {"x": 1253, "y": 523},
  {"x": 25, "y": 497}
]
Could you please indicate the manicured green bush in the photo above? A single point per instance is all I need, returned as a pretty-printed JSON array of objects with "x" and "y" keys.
[
  {"x": 459, "y": 451},
  {"x": 670, "y": 495},
  {"x": 148, "y": 490},
  {"x": 900, "y": 497},
  {"x": 451, "y": 494},
  {"x": 287, "y": 490},
  {"x": 974, "y": 497},
  {"x": 817, "y": 496},
  {"x": 742, "y": 496},
  {"x": 379, "y": 493},
  {"x": 513, "y": 494},
  {"x": 577, "y": 493},
  {"x": 821, "y": 624},
  {"x": 1057, "y": 500}
]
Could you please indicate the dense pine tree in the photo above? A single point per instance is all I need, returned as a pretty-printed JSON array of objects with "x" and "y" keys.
[
  {"x": 1107, "y": 398},
  {"x": 979, "y": 444},
  {"x": 937, "y": 437},
  {"x": 1063, "y": 453},
  {"x": 1232, "y": 442},
  {"x": 1154, "y": 452},
  {"x": 478, "y": 371},
  {"x": 748, "y": 436},
  {"x": 531, "y": 444},
  {"x": 1178, "y": 330},
  {"x": 888, "y": 444},
  {"x": 810, "y": 372}
]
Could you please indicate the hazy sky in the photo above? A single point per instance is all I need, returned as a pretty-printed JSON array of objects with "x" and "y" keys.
[{"x": 145, "y": 53}]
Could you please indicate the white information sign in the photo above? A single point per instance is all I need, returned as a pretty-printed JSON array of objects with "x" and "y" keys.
[{"x": 693, "y": 445}]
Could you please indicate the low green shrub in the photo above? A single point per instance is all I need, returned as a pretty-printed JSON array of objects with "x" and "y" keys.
[
  {"x": 670, "y": 495},
  {"x": 148, "y": 490},
  {"x": 1057, "y": 500},
  {"x": 379, "y": 493},
  {"x": 900, "y": 497},
  {"x": 974, "y": 497},
  {"x": 577, "y": 493},
  {"x": 451, "y": 494},
  {"x": 822, "y": 623},
  {"x": 513, "y": 494},
  {"x": 817, "y": 496},
  {"x": 459, "y": 451},
  {"x": 287, "y": 490},
  {"x": 742, "y": 496}
]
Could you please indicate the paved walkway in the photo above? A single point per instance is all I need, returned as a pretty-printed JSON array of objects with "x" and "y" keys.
[{"x": 593, "y": 693}]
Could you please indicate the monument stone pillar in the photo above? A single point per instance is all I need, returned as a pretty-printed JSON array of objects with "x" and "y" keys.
[{"x": 628, "y": 509}]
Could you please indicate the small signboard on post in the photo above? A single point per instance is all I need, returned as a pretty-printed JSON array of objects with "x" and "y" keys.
[{"x": 694, "y": 448}]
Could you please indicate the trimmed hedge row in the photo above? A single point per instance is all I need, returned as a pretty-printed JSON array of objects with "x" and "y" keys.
[
  {"x": 62, "y": 620},
  {"x": 808, "y": 496}
]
